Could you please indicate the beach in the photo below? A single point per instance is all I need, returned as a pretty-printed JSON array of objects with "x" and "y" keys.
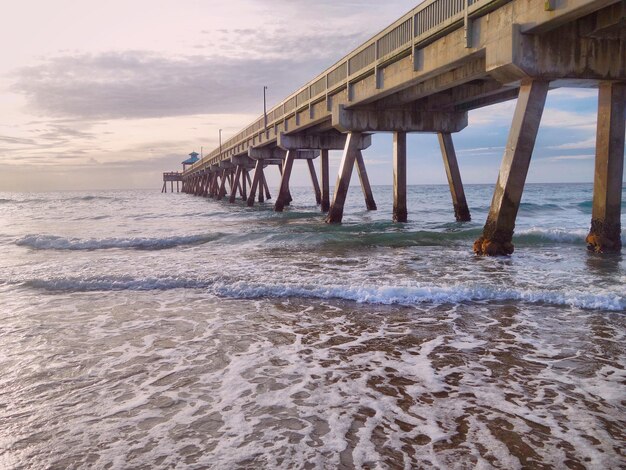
[{"x": 147, "y": 330}]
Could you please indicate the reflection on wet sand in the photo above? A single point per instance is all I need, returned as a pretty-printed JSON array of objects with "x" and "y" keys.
[{"x": 312, "y": 384}]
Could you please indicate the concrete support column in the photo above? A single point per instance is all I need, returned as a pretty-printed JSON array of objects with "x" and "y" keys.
[
  {"x": 222, "y": 189},
  {"x": 244, "y": 182},
  {"x": 268, "y": 195},
  {"x": 283, "y": 193},
  {"x": 461, "y": 211},
  {"x": 314, "y": 181},
  {"x": 235, "y": 185},
  {"x": 400, "y": 213},
  {"x": 325, "y": 181},
  {"x": 205, "y": 185},
  {"x": 288, "y": 199},
  {"x": 213, "y": 182},
  {"x": 365, "y": 182},
  {"x": 261, "y": 186},
  {"x": 498, "y": 232},
  {"x": 350, "y": 152},
  {"x": 256, "y": 181},
  {"x": 605, "y": 233}
]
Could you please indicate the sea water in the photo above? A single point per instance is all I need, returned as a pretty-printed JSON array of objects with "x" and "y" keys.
[{"x": 148, "y": 330}]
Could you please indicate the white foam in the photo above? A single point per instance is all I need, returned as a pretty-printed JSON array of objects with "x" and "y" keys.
[
  {"x": 418, "y": 294},
  {"x": 52, "y": 242},
  {"x": 93, "y": 284},
  {"x": 410, "y": 294},
  {"x": 554, "y": 234},
  {"x": 558, "y": 235}
]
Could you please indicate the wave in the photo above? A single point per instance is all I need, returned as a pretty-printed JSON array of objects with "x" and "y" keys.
[
  {"x": 533, "y": 207},
  {"x": 39, "y": 200},
  {"x": 412, "y": 295},
  {"x": 122, "y": 283},
  {"x": 51, "y": 242},
  {"x": 323, "y": 237},
  {"x": 381, "y": 295},
  {"x": 537, "y": 235},
  {"x": 92, "y": 198},
  {"x": 525, "y": 237},
  {"x": 541, "y": 235}
]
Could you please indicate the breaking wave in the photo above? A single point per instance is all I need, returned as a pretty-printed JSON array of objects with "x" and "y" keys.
[
  {"x": 419, "y": 294},
  {"x": 368, "y": 294},
  {"x": 51, "y": 242}
]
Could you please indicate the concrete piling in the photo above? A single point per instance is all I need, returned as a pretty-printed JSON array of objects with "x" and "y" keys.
[
  {"x": 365, "y": 182},
  {"x": 400, "y": 212},
  {"x": 498, "y": 232},
  {"x": 335, "y": 213},
  {"x": 325, "y": 173},
  {"x": 461, "y": 211},
  {"x": 256, "y": 181},
  {"x": 235, "y": 186},
  {"x": 314, "y": 182},
  {"x": 284, "y": 195},
  {"x": 605, "y": 233}
]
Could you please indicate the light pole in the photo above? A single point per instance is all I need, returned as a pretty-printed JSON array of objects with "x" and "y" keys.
[
  {"x": 220, "y": 144},
  {"x": 265, "y": 106}
]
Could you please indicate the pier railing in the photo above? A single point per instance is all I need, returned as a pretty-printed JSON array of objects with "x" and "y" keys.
[
  {"x": 172, "y": 176},
  {"x": 422, "y": 25}
]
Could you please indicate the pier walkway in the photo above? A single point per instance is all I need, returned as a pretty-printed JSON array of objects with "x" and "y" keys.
[{"x": 423, "y": 74}]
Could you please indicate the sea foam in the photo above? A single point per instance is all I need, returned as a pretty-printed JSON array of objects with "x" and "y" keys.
[
  {"x": 420, "y": 294},
  {"x": 367, "y": 294},
  {"x": 52, "y": 242}
]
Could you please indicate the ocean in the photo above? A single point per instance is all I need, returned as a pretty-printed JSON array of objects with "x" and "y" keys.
[{"x": 146, "y": 330}]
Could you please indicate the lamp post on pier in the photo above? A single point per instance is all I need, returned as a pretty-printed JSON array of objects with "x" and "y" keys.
[
  {"x": 220, "y": 144},
  {"x": 265, "y": 106}
]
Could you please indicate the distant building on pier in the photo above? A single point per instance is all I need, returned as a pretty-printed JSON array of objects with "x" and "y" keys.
[
  {"x": 175, "y": 176},
  {"x": 193, "y": 158}
]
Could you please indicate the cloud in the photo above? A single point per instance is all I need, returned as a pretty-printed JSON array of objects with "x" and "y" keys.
[
  {"x": 143, "y": 84},
  {"x": 575, "y": 93},
  {"x": 583, "y": 144},
  {"x": 481, "y": 151},
  {"x": 500, "y": 114},
  {"x": 572, "y": 157},
  {"x": 62, "y": 133},
  {"x": 325, "y": 43},
  {"x": 553, "y": 117},
  {"x": 16, "y": 140}
]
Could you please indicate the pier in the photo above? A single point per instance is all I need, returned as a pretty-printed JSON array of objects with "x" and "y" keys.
[
  {"x": 171, "y": 177},
  {"x": 423, "y": 74}
]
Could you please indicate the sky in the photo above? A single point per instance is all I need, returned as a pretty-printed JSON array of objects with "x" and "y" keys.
[{"x": 109, "y": 95}]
